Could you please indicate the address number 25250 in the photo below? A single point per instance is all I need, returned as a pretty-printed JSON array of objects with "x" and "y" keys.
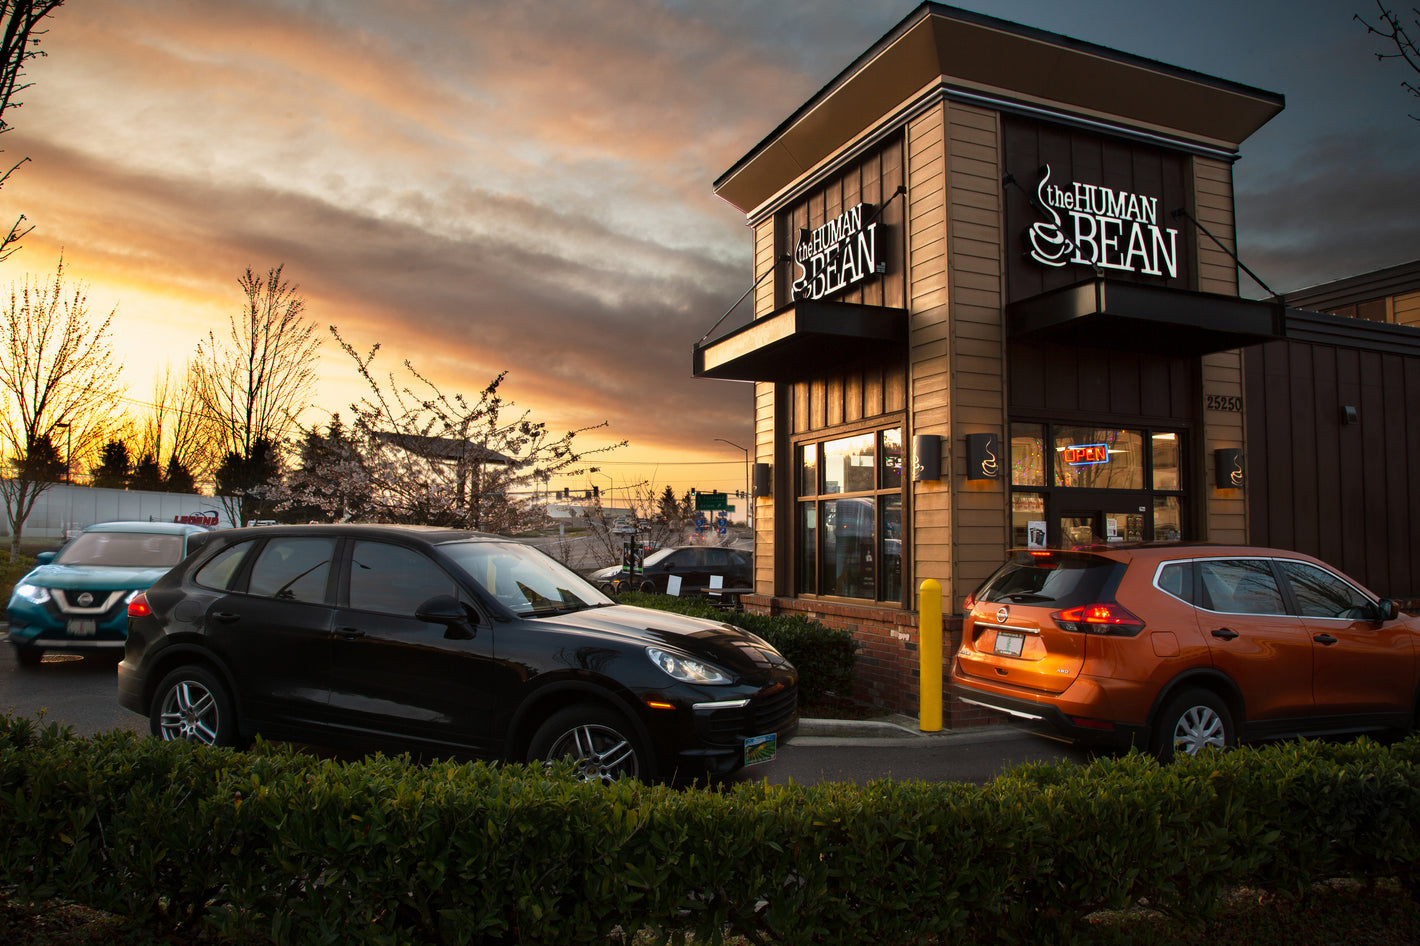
[{"x": 1224, "y": 402}]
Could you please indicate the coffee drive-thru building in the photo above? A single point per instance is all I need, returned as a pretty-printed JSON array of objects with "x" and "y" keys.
[{"x": 996, "y": 304}]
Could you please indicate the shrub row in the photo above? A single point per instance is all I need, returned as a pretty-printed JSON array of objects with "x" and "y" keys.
[
  {"x": 274, "y": 845},
  {"x": 824, "y": 656}
]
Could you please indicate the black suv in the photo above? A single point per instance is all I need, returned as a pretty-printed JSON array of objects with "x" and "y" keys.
[{"x": 443, "y": 642}]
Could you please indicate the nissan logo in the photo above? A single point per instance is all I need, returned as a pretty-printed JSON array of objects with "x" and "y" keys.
[
  {"x": 1002, "y": 614},
  {"x": 86, "y": 599}
]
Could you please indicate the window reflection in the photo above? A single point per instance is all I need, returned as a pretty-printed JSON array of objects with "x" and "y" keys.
[
  {"x": 1099, "y": 458},
  {"x": 848, "y": 464}
]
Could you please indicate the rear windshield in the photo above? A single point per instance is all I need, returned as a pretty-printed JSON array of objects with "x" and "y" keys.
[
  {"x": 1059, "y": 579},
  {"x": 123, "y": 549}
]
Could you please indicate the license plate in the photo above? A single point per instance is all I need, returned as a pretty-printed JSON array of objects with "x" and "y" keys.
[
  {"x": 1009, "y": 644},
  {"x": 83, "y": 628},
  {"x": 760, "y": 749}
]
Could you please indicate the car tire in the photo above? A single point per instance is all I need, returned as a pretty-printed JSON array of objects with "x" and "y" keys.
[
  {"x": 601, "y": 744},
  {"x": 193, "y": 704},
  {"x": 1192, "y": 720},
  {"x": 28, "y": 656},
  {"x": 649, "y": 587}
]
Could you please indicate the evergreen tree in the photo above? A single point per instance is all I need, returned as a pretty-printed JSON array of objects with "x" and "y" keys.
[
  {"x": 114, "y": 467},
  {"x": 147, "y": 474},
  {"x": 178, "y": 478}
]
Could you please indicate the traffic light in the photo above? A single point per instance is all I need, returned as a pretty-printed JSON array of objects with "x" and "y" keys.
[{"x": 596, "y": 490}]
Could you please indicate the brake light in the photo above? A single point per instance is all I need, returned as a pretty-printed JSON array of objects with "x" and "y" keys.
[
  {"x": 138, "y": 607},
  {"x": 969, "y": 603},
  {"x": 1102, "y": 618}
]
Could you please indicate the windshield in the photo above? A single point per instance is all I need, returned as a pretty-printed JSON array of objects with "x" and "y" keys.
[
  {"x": 523, "y": 579},
  {"x": 122, "y": 550}
]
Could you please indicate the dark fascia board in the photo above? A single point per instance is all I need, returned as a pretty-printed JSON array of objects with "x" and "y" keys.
[
  {"x": 1346, "y": 332},
  {"x": 802, "y": 340},
  {"x": 1353, "y": 290},
  {"x": 1105, "y": 314},
  {"x": 981, "y": 54}
]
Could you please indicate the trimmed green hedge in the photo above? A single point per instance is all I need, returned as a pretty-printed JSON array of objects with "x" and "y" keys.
[
  {"x": 275, "y": 845},
  {"x": 824, "y": 656}
]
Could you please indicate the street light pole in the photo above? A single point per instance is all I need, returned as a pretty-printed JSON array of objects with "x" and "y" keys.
[{"x": 749, "y": 502}]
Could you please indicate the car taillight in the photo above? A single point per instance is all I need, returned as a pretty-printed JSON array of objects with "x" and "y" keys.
[
  {"x": 138, "y": 607},
  {"x": 968, "y": 604},
  {"x": 1102, "y": 618}
]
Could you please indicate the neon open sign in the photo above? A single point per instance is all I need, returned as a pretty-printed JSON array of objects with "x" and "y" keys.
[{"x": 1086, "y": 454}]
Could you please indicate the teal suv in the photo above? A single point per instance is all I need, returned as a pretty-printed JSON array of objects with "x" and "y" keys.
[{"x": 76, "y": 600}]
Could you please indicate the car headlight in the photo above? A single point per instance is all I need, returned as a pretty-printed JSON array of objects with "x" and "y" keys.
[
  {"x": 34, "y": 594},
  {"x": 686, "y": 669}
]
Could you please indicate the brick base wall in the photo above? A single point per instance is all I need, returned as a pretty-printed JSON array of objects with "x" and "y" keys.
[{"x": 888, "y": 671}]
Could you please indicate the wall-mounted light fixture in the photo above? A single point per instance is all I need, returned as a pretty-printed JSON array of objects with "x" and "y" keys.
[
  {"x": 983, "y": 457},
  {"x": 1349, "y": 416},
  {"x": 926, "y": 458},
  {"x": 1228, "y": 468},
  {"x": 762, "y": 480}
]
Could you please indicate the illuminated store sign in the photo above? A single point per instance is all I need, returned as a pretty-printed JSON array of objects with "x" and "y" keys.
[
  {"x": 1087, "y": 454},
  {"x": 1097, "y": 226},
  {"x": 838, "y": 255}
]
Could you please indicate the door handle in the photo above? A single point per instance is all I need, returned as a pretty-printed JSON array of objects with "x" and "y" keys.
[
  {"x": 1326, "y": 639},
  {"x": 1225, "y": 633},
  {"x": 349, "y": 633},
  {"x": 226, "y": 617}
]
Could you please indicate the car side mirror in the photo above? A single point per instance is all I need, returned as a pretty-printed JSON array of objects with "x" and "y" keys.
[
  {"x": 1389, "y": 610},
  {"x": 44, "y": 558},
  {"x": 446, "y": 610}
]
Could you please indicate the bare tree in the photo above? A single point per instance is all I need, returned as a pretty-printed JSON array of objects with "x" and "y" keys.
[
  {"x": 1392, "y": 28},
  {"x": 442, "y": 459},
  {"x": 175, "y": 432},
  {"x": 19, "y": 43},
  {"x": 254, "y": 382},
  {"x": 60, "y": 383}
]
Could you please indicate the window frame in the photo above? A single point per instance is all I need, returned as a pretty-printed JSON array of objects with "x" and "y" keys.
[{"x": 807, "y": 585}]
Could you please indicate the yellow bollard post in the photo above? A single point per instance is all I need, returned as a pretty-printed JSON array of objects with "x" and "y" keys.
[{"x": 929, "y": 647}]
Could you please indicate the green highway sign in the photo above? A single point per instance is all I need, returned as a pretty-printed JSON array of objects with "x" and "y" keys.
[{"x": 710, "y": 502}]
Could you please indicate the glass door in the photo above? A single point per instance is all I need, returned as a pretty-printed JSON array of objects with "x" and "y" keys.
[{"x": 1118, "y": 522}]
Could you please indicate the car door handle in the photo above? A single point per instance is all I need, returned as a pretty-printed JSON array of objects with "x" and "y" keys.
[
  {"x": 1225, "y": 633},
  {"x": 226, "y": 617},
  {"x": 1326, "y": 639},
  {"x": 349, "y": 633}
]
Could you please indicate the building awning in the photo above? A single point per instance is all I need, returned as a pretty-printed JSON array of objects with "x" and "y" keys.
[
  {"x": 1104, "y": 314},
  {"x": 803, "y": 340}
]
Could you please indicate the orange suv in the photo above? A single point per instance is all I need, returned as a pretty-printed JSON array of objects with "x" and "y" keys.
[{"x": 1175, "y": 647}]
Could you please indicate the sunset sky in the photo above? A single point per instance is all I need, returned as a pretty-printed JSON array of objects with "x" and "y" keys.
[{"x": 526, "y": 185}]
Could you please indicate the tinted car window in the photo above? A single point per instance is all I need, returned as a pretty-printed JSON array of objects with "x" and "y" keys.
[
  {"x": 122, "y": 549},
  {"x": 1176, "y": 578},
  {"x": 523, "y": 580},
  {"x": 392, "y": 579},
  {"x": 1062, "y": 579},
  {"x": 219, "y": 572},
  {"x": 1321, "y": 594},
  {"x": 1243, "y": 586},
  {"x": 292, "y": 569}
]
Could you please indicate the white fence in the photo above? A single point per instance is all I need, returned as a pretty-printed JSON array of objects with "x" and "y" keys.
[{"x": 64, "y": 507}]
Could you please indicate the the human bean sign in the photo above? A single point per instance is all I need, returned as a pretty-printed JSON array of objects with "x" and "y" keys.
[{"x": 1096, "y": 226}]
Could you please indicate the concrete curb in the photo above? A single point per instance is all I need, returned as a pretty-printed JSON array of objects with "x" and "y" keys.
[{"x": 887, "y": 730}]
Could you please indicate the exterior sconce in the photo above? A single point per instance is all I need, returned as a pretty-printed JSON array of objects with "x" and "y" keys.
[
  {"x": 1228, "y": 468},
  {"x": 926, "y": 457},
  {"x": 762, "y": 480},
  {"x": 1349, "y": 416},
  {"x": 983, "y": 457}
]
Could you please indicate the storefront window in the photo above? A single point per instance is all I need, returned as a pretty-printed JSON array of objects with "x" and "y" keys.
[
  {"x": 850, "y": 545},
  {"x": 1027, "y": 454},
  {"x": 1028, "y": 521},
  {"x": 808, "y": 469},
  {"x": 891, "y": 453},
  {"x": 1099, "y": 458},
  {"x": 848, "y": 464},
  {"x": 1077, "y": 485},
  {"x": 1166, "y": 462}
]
